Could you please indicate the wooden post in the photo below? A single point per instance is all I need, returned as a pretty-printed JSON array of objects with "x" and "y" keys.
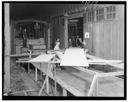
[
  {"x": 46, "y": 37},
  {"x": 92, "y": 85},
  {"x": 36, "y": 74},
  {"x": 28, "y": 67},
  {"x": 7, "y": 44},
  {"x": 12, "y": 39},
  {"x": 49, "y": 37},
  {"x": 30, "y": 56},
  {"x": 66, "y": 30},
  {"x": 47, "y": 85},
  {"x": 41, "y": 72},
  {"x": 47, "y": 78},
  {"x": 64, "y": 92},
  {"x": 51, "y": 32},
  {"x": 96, "y": 88}
]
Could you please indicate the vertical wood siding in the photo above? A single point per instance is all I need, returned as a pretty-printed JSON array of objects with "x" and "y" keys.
[
  {"x": 107, "y": 36},
  {"x": 58, "y": 31}
]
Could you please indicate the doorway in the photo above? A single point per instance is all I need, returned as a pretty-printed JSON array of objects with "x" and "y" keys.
[{"x": 75, "y": 28}]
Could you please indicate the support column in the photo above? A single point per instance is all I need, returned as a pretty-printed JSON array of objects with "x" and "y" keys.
[
  {"x": 51, "y": 32},
  {"x": 47, "y": 85},
  {"x": 7, "y": 48},
  {"x": 66, "y": 30},
  {"x": 49, "y": 36},
  {"x": 36, "y": 74},
  {"x": 64, "y": 92}
]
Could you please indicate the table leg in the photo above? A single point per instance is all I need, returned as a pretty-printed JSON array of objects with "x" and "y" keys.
[
  {"x": 64, "y": 92},
  {"x": 36, "y": 74},
  {"x": 28, "y": 67}
]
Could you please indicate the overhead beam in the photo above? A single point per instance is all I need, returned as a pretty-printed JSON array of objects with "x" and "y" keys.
[
  {"x": 76, "y": 15},
  {"x": 30, "y": 20}
]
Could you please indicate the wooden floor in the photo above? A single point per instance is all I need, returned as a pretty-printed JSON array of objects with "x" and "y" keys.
[
  {"x": 81, "y": 81},
  {"x": 21, "y": 81}
]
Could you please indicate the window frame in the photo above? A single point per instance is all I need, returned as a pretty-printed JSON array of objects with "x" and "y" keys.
[
  {"x": 110, "y": 12},
  {"x": 100, "y": 14}
]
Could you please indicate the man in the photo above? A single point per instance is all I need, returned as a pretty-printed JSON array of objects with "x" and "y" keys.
[
  {"x": 25, "y": 38},
  {"x": 77, "y": 41},
  {"x": 70, "y": 42}
]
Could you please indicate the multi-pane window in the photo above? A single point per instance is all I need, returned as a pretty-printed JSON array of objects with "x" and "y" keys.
[
  {"x": 111, "y": 12},
  {"x": 90, "y": 16},
  {"x": 100, "y": 14}
]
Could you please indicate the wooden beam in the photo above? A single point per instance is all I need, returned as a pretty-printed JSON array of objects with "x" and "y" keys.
[
  {"x": 7, "y": 48},
  {"x": 49, "y": 37},
  {"x": 120, "y": 66},
  {"x": 31, "y": 90},
  {"x": 64, "y": 92},
  {"x": 47, "y": 79},
  {"x": 30, "y": 20},
  {"x": 96, "y": 87},
  {"x": 86, "y": 70},
  {"x": 47, "y": 85},
  {"x": 44, "y": 83},
  {"x": 76, "y": 15},
  {"x": 37, "y": 53},
  {"x": 12, "y": 29},
  {"x": 28, "y": 67},
  {"x": 110, "y": 74},
  {"x": 80, "y": 9},
  {"x": 22, "y": 55},
  {"x": 92, "y": 86},
  {"x": 36, "y": 74},
  {"x": 104, "y": 61},
  {"x": 66, "y": 30}
]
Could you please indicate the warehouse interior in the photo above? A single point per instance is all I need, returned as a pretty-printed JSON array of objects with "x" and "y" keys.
[{"x": 64, "y": 49}]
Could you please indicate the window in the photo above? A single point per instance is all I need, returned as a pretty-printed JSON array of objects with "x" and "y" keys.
[
  {"x": 111, "y": 12},
  {"x": 90, "y": 16},
  {"x": 100, "y": 14}
]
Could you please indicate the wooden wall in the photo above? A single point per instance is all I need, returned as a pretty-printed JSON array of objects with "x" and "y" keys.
[
  {"x": 58, "y": 31},
  {"x": 59, "y": 22},
  {"x": 107, "y": 36},
  {"x": 13, "y": 47}
]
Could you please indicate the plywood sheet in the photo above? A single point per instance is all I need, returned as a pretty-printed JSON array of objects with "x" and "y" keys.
[
  {"x": 74, "y": 57},
  {"x": 42, "y": 58}
]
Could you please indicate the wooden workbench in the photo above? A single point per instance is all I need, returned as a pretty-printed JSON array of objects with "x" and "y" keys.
[
  {"x": 78, "y": 82},
  {"x": 110, "y": 86}
]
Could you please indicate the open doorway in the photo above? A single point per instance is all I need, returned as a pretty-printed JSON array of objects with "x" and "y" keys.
[{"x": 75, "y": 29}]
